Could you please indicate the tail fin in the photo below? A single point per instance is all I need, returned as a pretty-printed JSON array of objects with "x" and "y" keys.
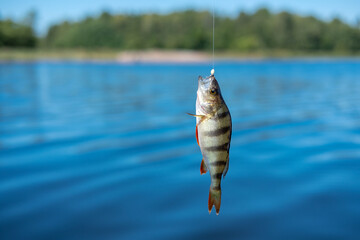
[{"x": 214, "y": 199}]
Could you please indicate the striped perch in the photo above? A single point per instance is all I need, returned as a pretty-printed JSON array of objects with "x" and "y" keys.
[{"x": 213, "y": 134}]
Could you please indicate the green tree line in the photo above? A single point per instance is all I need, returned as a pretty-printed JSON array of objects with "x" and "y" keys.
[
  {"x": 13, "y": 34},
  {"x": 16, "y": 35},
  {"x": 261, "y": 30}
]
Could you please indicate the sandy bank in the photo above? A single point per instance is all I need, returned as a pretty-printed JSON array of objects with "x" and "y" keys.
[{"x": 155, "y": 56}]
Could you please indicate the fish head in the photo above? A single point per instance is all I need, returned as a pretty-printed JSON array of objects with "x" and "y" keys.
[{"x": 209, "y": 94}]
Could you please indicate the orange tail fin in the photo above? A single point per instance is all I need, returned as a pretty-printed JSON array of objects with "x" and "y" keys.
[{"x": 214, "y": 200}]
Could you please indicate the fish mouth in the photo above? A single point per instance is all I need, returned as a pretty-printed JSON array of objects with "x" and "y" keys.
[
  {"x": 206, "y": 79},
  {"x": 205, "y": 82}
]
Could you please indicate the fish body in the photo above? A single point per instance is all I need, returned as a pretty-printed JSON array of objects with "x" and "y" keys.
[{"x": 213, "y": 133}]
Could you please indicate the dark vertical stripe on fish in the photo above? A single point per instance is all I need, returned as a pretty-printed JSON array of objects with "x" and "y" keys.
[
  {"x": 218, "y": 148},
  {"x": 216, "y": 188},
  {"x": 217, "y": 175},
  {"x": 217, "y": 132},
  {"x": 222, "y": 115},
  {"x": 218, "y": 163}
]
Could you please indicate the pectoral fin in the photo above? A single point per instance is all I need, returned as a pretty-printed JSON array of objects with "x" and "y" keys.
[
  {"x": 202, "y": 117},
  {"x": 194, "y": 115}
]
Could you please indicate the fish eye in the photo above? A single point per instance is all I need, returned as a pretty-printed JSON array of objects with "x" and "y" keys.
[{"x": 213, "y": 91}]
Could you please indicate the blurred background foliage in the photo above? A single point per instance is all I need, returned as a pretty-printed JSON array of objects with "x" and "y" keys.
[
  {"x": 261, "y": 30},
  {"x": 18, "y": 34}
]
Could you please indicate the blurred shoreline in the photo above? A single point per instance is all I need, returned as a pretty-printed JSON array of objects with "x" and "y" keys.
[{"x": 159, "y": 56}]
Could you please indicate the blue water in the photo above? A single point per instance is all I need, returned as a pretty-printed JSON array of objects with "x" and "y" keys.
[{"x": 105, "y": 151}]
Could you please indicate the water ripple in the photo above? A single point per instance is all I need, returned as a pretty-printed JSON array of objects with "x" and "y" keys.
[{"x": 108, "y": 148}]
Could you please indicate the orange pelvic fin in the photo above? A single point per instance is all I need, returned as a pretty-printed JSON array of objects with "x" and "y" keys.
[
  {"x": 214, "y": 200},
  {"x": 197, "y": 135},
  {"x": 203, "y": 168}
]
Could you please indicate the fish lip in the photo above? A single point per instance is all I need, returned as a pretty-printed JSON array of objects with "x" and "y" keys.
[
  {"x": 206, "y": 79},
  {"x": 205, "y": 82},
  {"x": 200, "y": 80}
]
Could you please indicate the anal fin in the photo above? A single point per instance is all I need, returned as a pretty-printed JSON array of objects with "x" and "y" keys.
[{"x": 203, "y": 168}]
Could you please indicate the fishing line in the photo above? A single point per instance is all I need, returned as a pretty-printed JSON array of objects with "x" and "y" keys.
[{"x": 213, "y": 38}]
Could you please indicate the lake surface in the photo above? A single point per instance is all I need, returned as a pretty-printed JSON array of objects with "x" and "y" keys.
[{"x": 105, "y": 151}]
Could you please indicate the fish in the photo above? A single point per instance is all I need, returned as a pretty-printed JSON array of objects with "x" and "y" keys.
[{"x": 213, "y": 134}]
